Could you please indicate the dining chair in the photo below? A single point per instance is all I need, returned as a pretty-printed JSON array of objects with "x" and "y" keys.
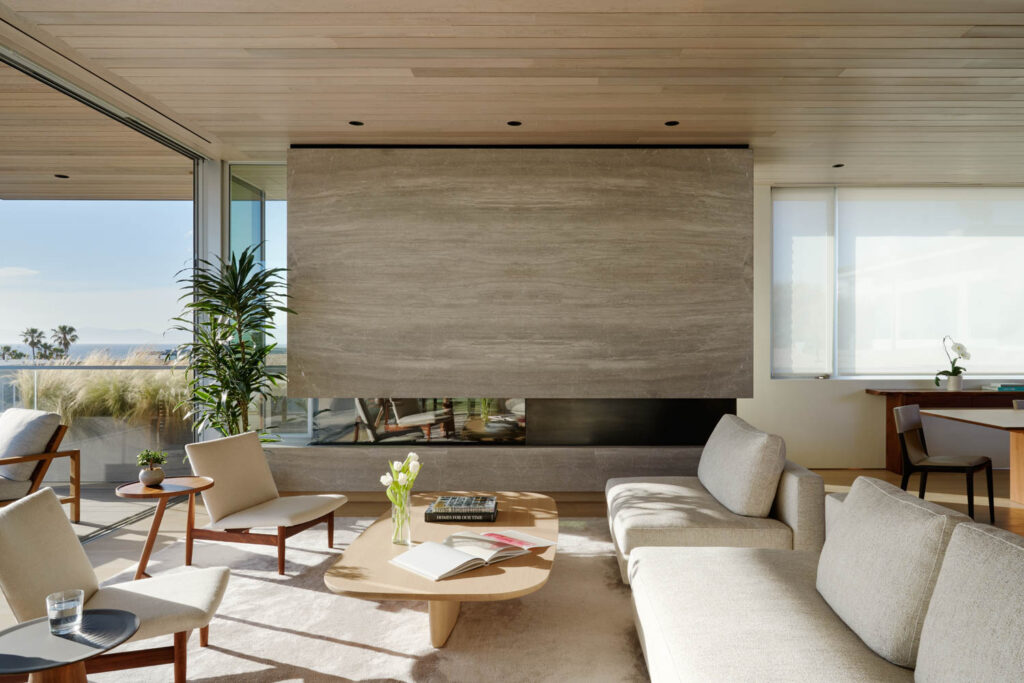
[
  {"x": 244, "y": 496},
  {"x": 29, "y": 443},
  {"x": 40, "y": 554},
  {"x": 916, "y": 458}
]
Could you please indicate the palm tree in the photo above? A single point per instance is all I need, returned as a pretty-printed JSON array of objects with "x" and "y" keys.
[
  {"x": 5, "y": 352},
  {"x": 64, "y": 336},
  {"x": 33, "y": 338},
  {"x": 45, "y": 351}
]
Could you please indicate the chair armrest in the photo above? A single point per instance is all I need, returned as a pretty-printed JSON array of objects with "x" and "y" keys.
[
  {"x": 40, "y": 456},
  {"x": 800, "y": 504}
]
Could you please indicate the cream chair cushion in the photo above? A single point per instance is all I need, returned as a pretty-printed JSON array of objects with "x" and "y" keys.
[
  {"x": 40, "y": 554},
  {"x": 283, "y": 511},
  {"x": 974, "y": 630},
  {"x": 169, "y": 603},
  {"x": 741, "y": 466},
  {"x": 12, "y": 490},
  {"x": 239, "y": 470},
  {"x": 879, "y": 565},
  {"x": 24, "y": 432}
]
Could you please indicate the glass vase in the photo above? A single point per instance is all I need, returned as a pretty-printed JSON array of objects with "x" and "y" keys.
[{"x": 401, "y": 519}]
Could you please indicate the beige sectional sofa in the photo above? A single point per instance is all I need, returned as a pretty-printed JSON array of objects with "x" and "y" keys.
[
  {"x": 903, "y": 590},
  {"x": 745, "y": 494}
]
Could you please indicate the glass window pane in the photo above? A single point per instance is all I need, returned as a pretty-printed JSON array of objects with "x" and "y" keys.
[
  {"x": 916, "y": 264},
  {"x": 802, "y": 292}
]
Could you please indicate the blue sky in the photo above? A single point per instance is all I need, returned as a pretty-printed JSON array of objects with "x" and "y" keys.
[{"x": 106, "y": 267}]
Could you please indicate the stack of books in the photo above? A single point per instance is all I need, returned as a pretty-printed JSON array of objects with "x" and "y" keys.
[
  {"x": 462, "y": 509},
  {"x": 1008, "y": 386}
]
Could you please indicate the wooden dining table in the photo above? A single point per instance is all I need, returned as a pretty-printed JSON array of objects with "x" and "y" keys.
[{"x": 1007, "y": 419}]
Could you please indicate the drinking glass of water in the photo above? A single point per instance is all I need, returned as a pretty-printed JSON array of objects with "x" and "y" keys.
[{"x": 64, "y": 609}]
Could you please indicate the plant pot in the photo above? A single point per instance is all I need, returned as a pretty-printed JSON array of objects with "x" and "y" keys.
[
  {"x": 151, "y": 477},
  {"x": 954, "y": 383}
]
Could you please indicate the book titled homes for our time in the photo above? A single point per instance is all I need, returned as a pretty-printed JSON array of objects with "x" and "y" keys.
[
  {"x": 462, "y": 509},
  {"x": 466, "y": 550}
]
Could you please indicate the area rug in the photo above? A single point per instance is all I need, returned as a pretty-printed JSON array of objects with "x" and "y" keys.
[{"x": 579, "y": 626}]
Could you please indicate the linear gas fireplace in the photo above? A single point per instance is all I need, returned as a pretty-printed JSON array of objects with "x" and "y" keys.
[{"x": 516, "y": 421}]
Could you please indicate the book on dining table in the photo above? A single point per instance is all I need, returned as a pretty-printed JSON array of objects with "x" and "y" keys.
[{"x": 466, "y": 550}]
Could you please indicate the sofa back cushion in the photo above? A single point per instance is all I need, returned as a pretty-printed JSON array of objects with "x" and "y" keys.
[
  {"x": 24, "y": 432},
  {"x": 740, "y": 467},
  {"x": 974, "y": 630},
  {"x": 879, "y": 564}
]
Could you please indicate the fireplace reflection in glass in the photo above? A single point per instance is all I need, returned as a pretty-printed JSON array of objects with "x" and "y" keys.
[{"x": 411, "y": 420}]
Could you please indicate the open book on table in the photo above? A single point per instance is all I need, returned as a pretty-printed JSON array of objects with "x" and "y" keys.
[{"x": 466, "y": 550}]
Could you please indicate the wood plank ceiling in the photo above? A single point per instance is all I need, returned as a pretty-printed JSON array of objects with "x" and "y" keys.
[
  {"x": 916, "y": 91},
  {"x": 46, "y": 133}
]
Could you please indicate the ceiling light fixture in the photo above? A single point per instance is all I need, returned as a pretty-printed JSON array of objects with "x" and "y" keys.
[
  {"x": 355, "y": 123},
  {"x": 513, "y": 123},
  {"x": 671, "y": 123}
]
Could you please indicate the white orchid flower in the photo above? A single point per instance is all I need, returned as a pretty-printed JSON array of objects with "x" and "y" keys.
[
  {"x": 412, "y": 457},
  {"x": 414, "y": 467},
  {"x": 403, "y": 478},
  {"x": 386, "y": 479},
  {"x": 961, "y": 350}
]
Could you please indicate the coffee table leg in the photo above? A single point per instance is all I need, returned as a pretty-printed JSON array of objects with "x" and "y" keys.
[
  {"x": 443, "y": 615},
  {"x": 151, "y": 539},
  {"x": 70, "y": 673}
]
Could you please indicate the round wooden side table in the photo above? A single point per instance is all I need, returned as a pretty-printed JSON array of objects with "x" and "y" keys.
[
  {"x": 169, "y": 488},
  {"x": 29, "y": 647}
]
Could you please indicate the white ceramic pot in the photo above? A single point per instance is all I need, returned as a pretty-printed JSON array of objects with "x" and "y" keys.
[
  {"x": 151, "y": 477},
  {"x": 954, "y": 383}
]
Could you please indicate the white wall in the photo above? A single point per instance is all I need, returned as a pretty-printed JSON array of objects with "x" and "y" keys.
[{"x": 833, "y": 423}]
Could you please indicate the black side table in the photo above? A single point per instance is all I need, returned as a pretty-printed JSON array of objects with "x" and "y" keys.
[{"x": 29, "y": 647}]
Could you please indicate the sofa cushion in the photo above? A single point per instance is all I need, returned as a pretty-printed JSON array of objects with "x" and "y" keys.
[
  {"x": 743, "y": 614},
  {"x": 24, "y": 432},
  {"x": 679, "y": 511},
  {"x": 879, "y": 564},
  {"x": 741, "y": 465},
  {"x": 974, "y": 630}
]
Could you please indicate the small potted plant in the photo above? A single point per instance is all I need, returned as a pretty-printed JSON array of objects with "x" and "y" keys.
[
  {"x": 955, "y": 352},
  {"x": 151, "y": 474}
]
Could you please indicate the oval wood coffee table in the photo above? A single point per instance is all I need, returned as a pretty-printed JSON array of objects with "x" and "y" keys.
[
  {"x": 364, "y": 570},
  {"x": 168, "y": 488}
]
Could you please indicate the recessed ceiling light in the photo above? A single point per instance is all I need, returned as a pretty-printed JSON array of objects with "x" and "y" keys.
[
  {"x": 671, "y": 123},
  {"x": 61, "y": 176},
  {"x": 838, "y": 165},
  {"x": 513, "y": 123},
  {"x": 355, "y": 123}
]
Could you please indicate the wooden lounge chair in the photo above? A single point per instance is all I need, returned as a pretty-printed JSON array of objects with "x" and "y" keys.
[{"x": 29, "y": 443}]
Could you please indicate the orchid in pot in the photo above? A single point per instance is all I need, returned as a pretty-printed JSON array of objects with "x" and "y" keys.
[
  {"x": 399, "y": 480},
  {"x": 955, "y": 352}
]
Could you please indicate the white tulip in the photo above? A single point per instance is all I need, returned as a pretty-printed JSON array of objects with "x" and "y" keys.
[
  {"x": 397, "y": 464},
  {"x": 414, "y": 467},
  {"x": 403, "y": 478},
  {"x": 386, "y": 479},
  {"x": 413, "y": 457}
]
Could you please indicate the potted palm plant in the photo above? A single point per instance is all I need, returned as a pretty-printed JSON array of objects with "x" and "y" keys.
[{"x": 229, "y": 316}]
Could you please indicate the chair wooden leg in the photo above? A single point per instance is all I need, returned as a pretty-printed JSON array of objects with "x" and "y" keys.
[
  {"x": 180, "y": 656},
  {"x": 204, "y": 636},
  {"x": 970, "y": 493},
  {"x": 906, "y": 479},
  {"x": 991, "y": 495},
  {"x": 330, "y": 528},
  {"x": 190, "y": 523},
  {"x": 924, "y": 483},
  {"x": 280, "y": 548},
  {"x": 76, "y": 484}
]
